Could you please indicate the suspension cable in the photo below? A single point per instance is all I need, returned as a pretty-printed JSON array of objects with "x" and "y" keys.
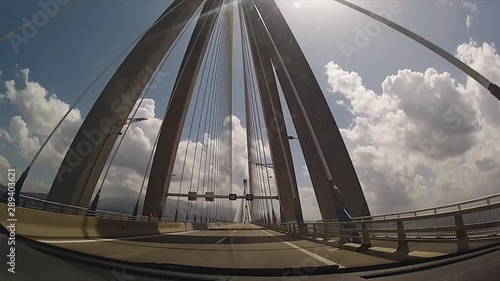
[
  {"x": 144, "y": 95},
  {"x": 153, "y": 150},
  {"x": 216, "y": 131},
  {"x": 211, "y": 66},
  {"x": 210, "y": 50},
  {"x": 247, "y": 89},
  {"x": 189, "y": 134},
  {"x": 219, "y": 128},
  {"x": 257, "y": 129},
  {"x": 206, "y": 118},
  {"x": 209, "y": 150}
]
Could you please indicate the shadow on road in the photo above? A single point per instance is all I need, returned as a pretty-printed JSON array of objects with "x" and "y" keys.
[{"x": 194, "y": 239}]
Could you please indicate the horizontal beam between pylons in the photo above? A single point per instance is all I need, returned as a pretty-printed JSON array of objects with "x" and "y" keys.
[{"x": 218, "y": 196}]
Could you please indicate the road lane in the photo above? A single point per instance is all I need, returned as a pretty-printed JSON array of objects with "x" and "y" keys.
[
  {"x": 311, "y": 254},
  {"x": 233, "y": 246}
]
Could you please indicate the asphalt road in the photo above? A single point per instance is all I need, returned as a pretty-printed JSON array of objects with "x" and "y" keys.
[{"x": 234, "y": 246}]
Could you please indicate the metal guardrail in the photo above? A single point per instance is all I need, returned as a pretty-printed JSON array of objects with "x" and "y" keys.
[
  {"x": 49, "y": 206},
  {"x": 459, "y": 226},
  {"x": 482, "y": 201}
]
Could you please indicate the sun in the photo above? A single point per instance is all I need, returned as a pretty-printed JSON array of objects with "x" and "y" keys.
[{"x": 297, "y": 5}]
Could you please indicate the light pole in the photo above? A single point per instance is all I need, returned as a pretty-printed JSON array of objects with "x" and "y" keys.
[
  {"x": 272, "y": 208},
  {"x": 340, "y": 209},
  {"x": 269, "y": 166},
  {"x": 93, "y": 207},
  {"x": 162, "y": 203}
]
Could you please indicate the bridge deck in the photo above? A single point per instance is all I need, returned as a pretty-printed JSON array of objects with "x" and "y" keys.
[{"x": 233, "y": 246}]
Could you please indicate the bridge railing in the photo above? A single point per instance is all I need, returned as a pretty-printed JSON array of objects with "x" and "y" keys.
[
  {"x": 49, "y": 206},
  {"x": 469, "y": 224},
  {"x": 482, "y": 201}
]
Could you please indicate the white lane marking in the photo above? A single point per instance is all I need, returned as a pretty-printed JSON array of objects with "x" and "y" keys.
[
  {"x": 311, "y": 254},
  {"x": 221, "y": 240},
  {"x": 93, "y": 240}
]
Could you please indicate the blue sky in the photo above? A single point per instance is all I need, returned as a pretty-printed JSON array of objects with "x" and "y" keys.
[{"x": 75, "y": 45}]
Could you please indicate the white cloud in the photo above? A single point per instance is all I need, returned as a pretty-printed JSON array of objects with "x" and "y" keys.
[
  {"x": 305, "y": 171},
  {"x": 4, "y": 165},
  {"x": 40, "y": 111},
  {"x": 468, "y": 22},
  {"x": 425, "y": 139},
  {"x": 310, "y": 209}
]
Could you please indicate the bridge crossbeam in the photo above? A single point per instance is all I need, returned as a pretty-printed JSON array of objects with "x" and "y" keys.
[{"x": 219, "y": 196}]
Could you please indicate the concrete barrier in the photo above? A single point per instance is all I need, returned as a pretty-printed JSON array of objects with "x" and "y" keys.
[
  {"x": 209, "y": 225},
  {"x": 41, "y": 224}
]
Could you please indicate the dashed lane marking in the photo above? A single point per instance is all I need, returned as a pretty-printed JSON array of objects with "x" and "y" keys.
[{"x": 311, "y": 254}]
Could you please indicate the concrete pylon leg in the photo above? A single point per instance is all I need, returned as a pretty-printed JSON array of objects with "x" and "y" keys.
[
  {"x": 317, "y": 173},
  {"x": 310, "y": 96},
  {"x": 82, "y": 166},
  {"x": 173, "y": 122},
  {"x": 324, "y": 196},
  {"x": 275, "y": 125}
]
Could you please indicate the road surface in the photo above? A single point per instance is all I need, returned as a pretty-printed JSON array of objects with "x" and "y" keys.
[{"x": 233, "y": 246}]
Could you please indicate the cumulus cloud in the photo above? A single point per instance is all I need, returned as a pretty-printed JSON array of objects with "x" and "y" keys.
[
  {"x": 38, "y": 112},
  {"x": 194, "y": 167},
  {"x": 425, "y": 139}
]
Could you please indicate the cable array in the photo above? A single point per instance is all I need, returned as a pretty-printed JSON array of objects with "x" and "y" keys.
[
  {"x": 205, "y": 163},
  {"x": 259, "y": 162}
]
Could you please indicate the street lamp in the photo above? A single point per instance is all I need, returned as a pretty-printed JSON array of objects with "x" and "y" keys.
[
  {"x": 135, "y": 120},
  {"x": 93, "y": 206}
]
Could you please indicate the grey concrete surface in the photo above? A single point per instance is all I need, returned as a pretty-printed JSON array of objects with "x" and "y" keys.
[{"x": 234, "y": 246}]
